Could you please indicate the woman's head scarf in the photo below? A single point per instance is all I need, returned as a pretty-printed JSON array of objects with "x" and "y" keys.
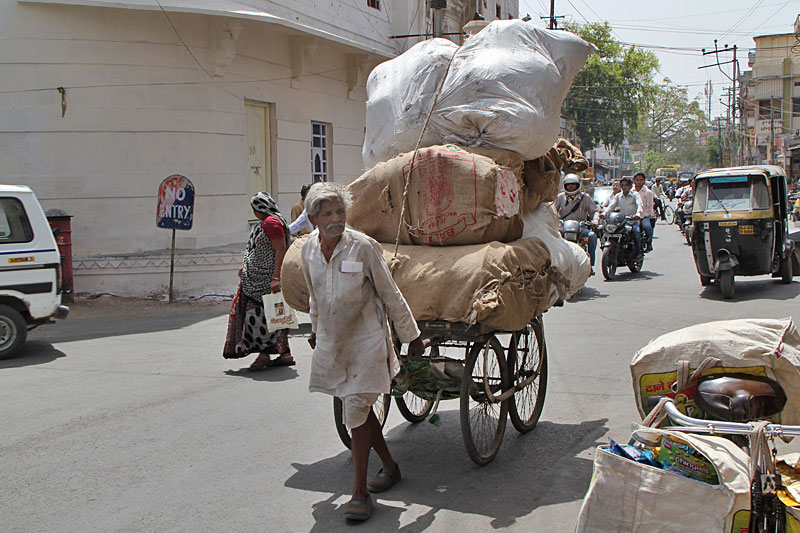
[{"x": 263, "y": 203}]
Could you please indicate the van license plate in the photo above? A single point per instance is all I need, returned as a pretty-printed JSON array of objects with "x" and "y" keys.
[
  {"x": 746, "y": 230},
  {"x": 28, "y": 259}
]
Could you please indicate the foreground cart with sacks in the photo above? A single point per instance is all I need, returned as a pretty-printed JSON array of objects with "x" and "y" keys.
[{"x": 487, "y": 347}]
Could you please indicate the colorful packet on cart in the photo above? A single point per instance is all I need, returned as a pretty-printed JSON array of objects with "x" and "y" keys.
[
  {"x": 678, "y": 457},
  {"x": 633, "y": 453}
]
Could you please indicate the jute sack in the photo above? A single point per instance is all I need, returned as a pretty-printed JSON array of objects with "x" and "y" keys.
[
  {"x": 566, "y": 256},
  {"x": 454, "y": 197},
  {"x": 626, "y": 496},
  {"x": 541, "y": 177},
  {"x": 502, "y": 286},
  {"x": 671, "y": 364}
]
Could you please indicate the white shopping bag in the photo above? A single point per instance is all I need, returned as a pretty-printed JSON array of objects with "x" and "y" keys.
[{"x": 278, "y": 313}]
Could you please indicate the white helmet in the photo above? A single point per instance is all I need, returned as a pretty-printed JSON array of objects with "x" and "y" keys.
[{"x": 571, "y": 179}]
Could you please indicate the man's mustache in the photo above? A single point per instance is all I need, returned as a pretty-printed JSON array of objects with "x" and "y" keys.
[{"x": 335, "y": 225}]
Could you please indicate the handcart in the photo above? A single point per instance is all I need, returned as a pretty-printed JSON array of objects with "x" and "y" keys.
[{"x": 493, "y": 373}]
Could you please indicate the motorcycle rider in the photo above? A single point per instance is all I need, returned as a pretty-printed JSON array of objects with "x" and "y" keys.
[
  {"x": 629, "y": 204},
  {"x": 685, "y": 192},
  {"x": 648, "y": 214},
  {"x": 573, "y": 204}
]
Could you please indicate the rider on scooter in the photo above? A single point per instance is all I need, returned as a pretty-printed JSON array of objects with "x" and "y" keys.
[
  {"x": 629, "y": 204},
  {"x": 648, "y": 209},
  {"x": 573, "y": 204}
]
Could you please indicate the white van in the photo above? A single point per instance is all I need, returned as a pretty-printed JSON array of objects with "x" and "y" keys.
[{"x": 30, "y": 268}]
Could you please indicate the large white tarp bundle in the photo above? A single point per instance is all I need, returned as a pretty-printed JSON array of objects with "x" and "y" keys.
[
  {"x": 504, "y": 88},
  {"x": 566, "y": 256}
]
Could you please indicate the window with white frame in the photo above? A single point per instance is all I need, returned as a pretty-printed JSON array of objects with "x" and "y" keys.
[{"x": 319, "y": 151}]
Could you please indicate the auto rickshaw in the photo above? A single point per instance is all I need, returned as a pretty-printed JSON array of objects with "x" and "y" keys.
[{"x": 741, "y": 225}]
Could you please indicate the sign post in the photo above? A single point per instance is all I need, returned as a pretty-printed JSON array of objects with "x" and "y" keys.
[{"x": 175, "y": 211}]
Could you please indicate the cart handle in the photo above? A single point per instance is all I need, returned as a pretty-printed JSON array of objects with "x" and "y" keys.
[{"x": 720, "y": 426}]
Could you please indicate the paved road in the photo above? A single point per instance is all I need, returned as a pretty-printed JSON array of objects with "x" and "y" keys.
[{"x": 136, "y": 423}]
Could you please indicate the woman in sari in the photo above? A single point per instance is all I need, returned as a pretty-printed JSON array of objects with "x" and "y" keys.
[{"x": 260, "y": 274}]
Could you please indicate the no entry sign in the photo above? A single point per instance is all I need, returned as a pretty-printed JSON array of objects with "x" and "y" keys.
[{"x": 175, "y": 203}]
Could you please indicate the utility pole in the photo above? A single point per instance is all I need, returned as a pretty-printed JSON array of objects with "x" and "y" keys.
[
  {"x": 771, "y": 147},
  {"x": 719, "y": 142},
  {"x": 733, "y": 104},
  {"x": 553, "y": 24}
]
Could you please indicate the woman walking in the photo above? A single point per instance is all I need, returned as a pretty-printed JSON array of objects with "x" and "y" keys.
[{"x": 260, "y": 274}]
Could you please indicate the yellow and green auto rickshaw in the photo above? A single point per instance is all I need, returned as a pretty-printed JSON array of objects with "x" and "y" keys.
[{"x": 741, "y": 225}]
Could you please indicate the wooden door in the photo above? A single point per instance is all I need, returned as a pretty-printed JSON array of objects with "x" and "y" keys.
[{"x": 258, "y": 148}]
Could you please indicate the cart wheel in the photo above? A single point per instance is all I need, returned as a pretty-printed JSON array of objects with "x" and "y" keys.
[
  {"x": 413, "y": 408},
  {"x": 726, "y": 284},
  {"x": 786, "y": 269},
  {"x": 528, "y": 357},
  {"x": 381, "y": 410},
  {"x": 483, "y": 422}
]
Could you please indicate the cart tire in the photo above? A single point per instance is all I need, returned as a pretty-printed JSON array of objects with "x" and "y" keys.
[
  {"x": 527, "y": 357},
  {"x": 786, "y": 269},
  {"x": 609, "y": 267},
  {"x": 669, "y": 214},
  {"x": 705, "y": 281},
  {"x": 413, "y": 408},
  {"x": 483, "y": 423},
  {"x": 381, "y": 409},
  {"x": 727, "y": 284}
]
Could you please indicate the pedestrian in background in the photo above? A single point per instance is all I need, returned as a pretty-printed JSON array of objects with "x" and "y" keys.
[
  {"x": 303, "y": 227},
  {"x": 260, "y": 275},
  {"x": 350, "y": 291}
]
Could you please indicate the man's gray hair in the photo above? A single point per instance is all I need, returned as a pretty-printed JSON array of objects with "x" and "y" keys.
[{"x": 325, "y": 191}]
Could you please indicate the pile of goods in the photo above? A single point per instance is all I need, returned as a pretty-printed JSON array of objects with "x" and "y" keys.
[{"x": 463, "y": 219}]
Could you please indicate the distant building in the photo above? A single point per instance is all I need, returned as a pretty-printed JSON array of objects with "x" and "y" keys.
[
  {"x": 103, "y": 99},
  {"x": 774, "y": 103}
]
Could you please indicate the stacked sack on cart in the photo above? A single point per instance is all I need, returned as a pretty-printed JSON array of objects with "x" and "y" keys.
[{"x": 462, "y": 217}]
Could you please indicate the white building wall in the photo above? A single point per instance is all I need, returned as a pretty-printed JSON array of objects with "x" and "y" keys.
[{"x": 139, "y": 108}]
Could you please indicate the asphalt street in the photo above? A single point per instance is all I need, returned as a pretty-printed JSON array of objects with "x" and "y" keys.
[{"x": 135, "y": 422}]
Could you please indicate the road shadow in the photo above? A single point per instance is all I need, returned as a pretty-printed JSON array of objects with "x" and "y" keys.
[
  {"x": 586, "y": 294},
  {"x": 438, "y": 475},
  {"x": 32, "y": 353},
  {"x": 746, "y": 289},
  {"x": 278, "y": 373},
  {"x": 626, "y": 275}
]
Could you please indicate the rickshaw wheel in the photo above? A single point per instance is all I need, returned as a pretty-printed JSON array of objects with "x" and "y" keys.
[
  {"x": 483, "y": 422},
  {"x": 527, "y": 357},
  {"x": 413, "y": 408},
  {"x": 726, "y": 284},
  {"x": 786, "y": 270},
  {"x": 381, "y": 410}
]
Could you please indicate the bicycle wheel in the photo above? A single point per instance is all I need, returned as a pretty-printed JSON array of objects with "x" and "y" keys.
[
  {"x": 483, "y": 422},
  {"x": 669, "y": 214},
  {"x": 527, "y": 358},
  {"x": 381, "y": 410}
]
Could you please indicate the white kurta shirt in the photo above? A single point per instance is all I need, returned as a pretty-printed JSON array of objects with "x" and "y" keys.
[{"x": 347, "y": 295}]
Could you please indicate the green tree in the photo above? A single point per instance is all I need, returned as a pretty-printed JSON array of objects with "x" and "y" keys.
[
  {"x": 604, "y": 98},
  {"x": 670, "y": 124}
]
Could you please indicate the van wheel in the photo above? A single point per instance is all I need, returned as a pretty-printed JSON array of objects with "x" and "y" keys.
[{"x": 12, "y": 331}]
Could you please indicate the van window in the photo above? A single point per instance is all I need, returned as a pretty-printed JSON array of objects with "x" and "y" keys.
[{"x": 14, "y": 224}]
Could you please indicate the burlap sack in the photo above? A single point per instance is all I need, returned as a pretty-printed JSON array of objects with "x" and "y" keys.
[
  {"x": 541, "y": 177},
  {"x": 502, "y": 286},
  {"x": 571, "y": 156},
  {"x": 762, "y": 347},
  {"x": 455, "y": 197}
]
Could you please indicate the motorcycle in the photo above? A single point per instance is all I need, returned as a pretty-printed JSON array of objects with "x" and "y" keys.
[
  {"x": 686, "y": 227},
  {"x": 618, "y": 245},
  {"x": 571, "y": 231}
]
